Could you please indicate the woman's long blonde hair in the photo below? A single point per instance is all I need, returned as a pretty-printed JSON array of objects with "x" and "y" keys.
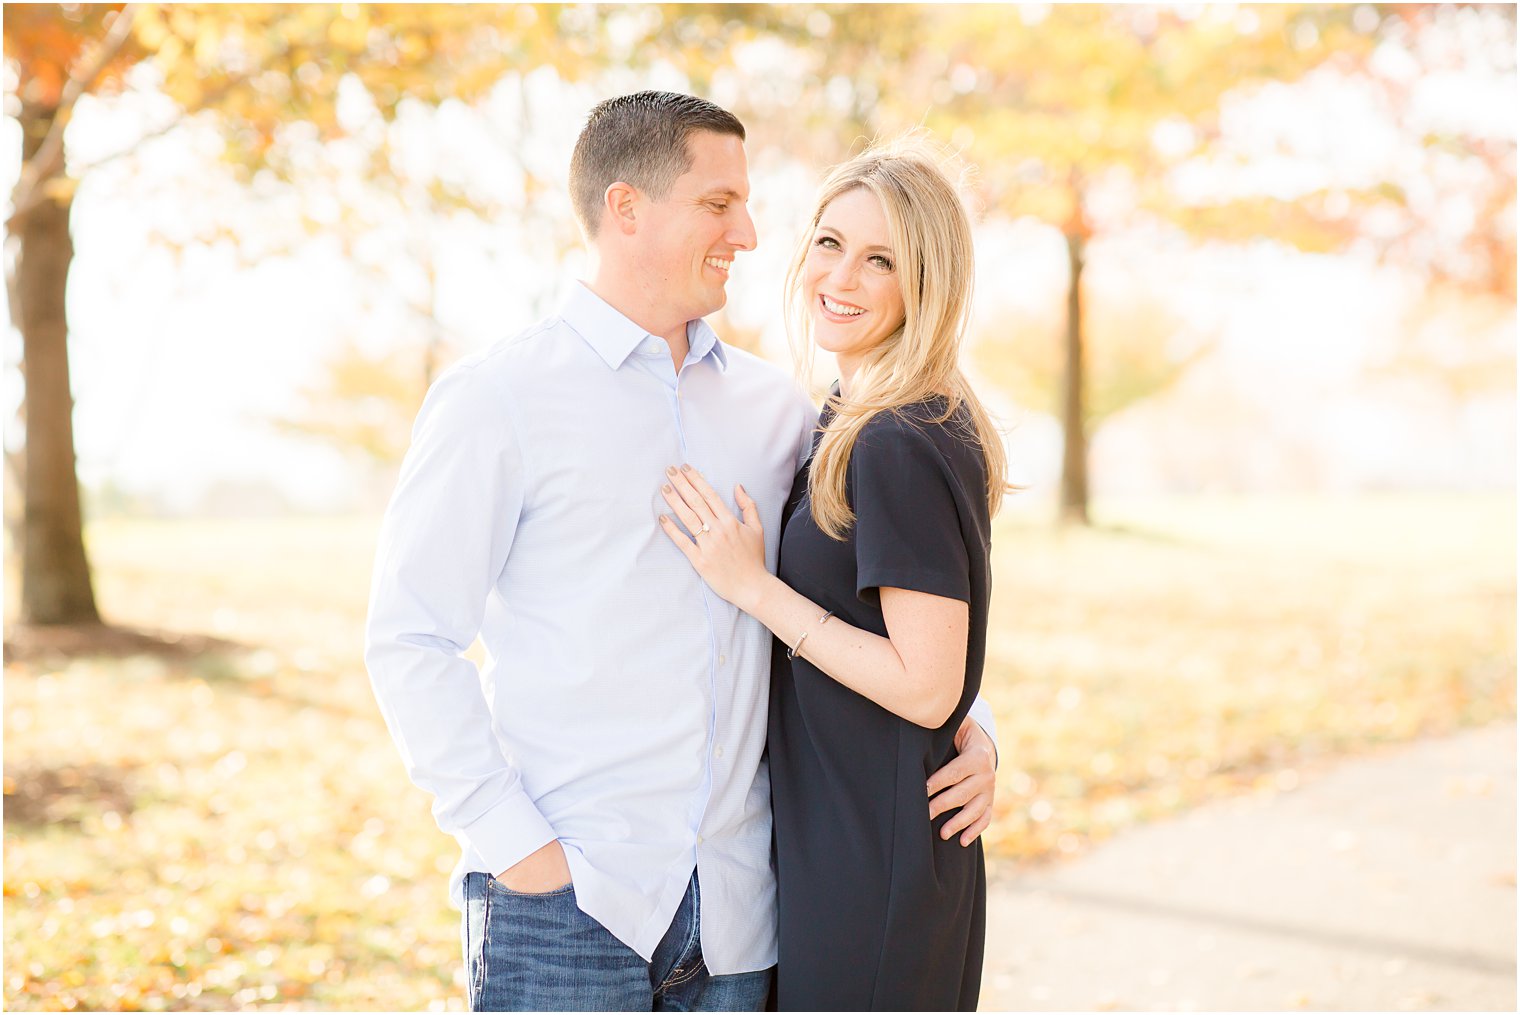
[{"x": 930, "y": 234}]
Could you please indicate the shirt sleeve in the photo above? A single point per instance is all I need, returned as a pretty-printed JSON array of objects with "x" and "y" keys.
[
  {"x": 807, "y": 416},
  {"x": 981, "y": 714},
  {"x": 442, "y": 545},
  {"x": 907, "y": 527}
]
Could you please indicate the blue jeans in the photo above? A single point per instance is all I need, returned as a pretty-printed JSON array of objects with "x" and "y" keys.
[{"x": 539, "y": 952}]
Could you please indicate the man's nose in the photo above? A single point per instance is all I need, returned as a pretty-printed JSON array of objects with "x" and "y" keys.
[{"x": 742, "y": 235}]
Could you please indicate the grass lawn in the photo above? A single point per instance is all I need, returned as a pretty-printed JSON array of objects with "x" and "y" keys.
[{"x": 234, "y": 829}]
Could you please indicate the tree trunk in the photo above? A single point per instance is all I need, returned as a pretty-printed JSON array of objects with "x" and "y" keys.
[
  {"x": 1074, "y": 397},
  {"x": 55, "y": 574}
]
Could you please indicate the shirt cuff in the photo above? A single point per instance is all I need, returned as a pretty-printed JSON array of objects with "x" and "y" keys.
[
  {"x": 981, "y": 714},
  {"x": 507, "y": 833}
]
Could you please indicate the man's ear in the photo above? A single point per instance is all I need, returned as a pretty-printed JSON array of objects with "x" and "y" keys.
[{"x": 620, "y": 204}]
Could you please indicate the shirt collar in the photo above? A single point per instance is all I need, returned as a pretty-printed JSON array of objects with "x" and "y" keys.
[
  {"x": 703, "y": 340},
  {"x": 614, "y": 337}
]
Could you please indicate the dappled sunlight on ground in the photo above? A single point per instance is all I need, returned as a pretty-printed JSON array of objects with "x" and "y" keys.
[{"x": 234, "y": 829}]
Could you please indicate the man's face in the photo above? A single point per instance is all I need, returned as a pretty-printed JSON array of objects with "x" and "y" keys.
[{"x": 689, "y": 239}]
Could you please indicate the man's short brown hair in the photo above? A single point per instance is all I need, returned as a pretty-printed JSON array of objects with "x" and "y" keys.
[{"x": 639, "y": 139}]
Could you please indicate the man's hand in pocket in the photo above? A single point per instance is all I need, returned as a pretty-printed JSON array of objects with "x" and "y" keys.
[{"x": 542, "y": 870}]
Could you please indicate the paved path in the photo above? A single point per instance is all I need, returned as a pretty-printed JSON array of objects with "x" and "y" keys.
[{"x": 1388, "y": 882}]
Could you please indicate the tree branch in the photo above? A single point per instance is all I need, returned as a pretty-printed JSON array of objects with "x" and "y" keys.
[{"x": 49, "y": 158}]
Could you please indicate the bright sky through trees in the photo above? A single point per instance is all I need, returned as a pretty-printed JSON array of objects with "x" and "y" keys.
[{"x": 183, "y": 354}]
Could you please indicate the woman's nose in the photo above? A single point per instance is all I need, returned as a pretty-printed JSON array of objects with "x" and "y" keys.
[{"x": 843, "y": 274}]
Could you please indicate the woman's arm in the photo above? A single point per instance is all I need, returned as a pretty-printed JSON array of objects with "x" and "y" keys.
[{"x": 917, "y": 671}]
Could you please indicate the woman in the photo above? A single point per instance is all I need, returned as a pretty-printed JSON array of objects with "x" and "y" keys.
[{"x": 880, "y": 601}]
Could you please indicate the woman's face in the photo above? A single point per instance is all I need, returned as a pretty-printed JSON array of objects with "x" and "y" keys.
[{"x": 850, "y": 277}]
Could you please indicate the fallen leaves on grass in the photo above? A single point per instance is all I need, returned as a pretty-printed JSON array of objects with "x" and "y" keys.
[{"x": 234, "y": 830}]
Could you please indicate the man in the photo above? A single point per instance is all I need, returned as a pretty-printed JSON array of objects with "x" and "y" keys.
[{"x": 605, "y": 776}]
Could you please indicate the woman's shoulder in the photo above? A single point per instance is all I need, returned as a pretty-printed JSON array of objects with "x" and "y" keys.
[
  {"x": 923, "y": 421},
  {"x": 940, "y": 442}
]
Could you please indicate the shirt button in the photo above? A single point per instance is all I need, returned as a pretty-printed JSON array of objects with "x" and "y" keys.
[
  {"x": 718, "y": 751},
  {"x": 700, "y": 840},
  {"x": 722, "y": 660}
]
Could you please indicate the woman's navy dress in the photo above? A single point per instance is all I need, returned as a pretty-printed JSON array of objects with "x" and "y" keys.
[{"x": 877, "y": 912}]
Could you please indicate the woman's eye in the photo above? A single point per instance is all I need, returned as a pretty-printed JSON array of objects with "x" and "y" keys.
[
  {"x": 827, "y": 242},
  {"x": 881, "y": 263}
]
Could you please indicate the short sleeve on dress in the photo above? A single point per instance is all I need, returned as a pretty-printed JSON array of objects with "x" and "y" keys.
[{"x": 907, "y": 527}]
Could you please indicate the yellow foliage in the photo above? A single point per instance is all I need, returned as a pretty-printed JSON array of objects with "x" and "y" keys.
[{"x": 365, "y": 403}]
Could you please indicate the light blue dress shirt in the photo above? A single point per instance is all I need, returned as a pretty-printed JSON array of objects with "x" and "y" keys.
[{"x": 623, "y": 705}]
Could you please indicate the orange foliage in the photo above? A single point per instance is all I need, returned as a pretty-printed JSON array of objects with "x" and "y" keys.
[{"x": 47, "y": 42}]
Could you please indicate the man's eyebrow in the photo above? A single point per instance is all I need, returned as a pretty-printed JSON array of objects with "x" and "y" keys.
[{"x": 724, "y": 192}]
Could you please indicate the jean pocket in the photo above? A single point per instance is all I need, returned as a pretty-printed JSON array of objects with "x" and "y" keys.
[
  {"x": 473, "y": 934},
  {"x": 567, "y": 888}
]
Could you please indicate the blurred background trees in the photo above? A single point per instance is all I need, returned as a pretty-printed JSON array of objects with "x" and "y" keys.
[
  {"x": 269, "y": 78},
  {"x": 1076, "y": 115},
  {"x": 54, "y": 60},
  {"x": 399, "y": 135}
]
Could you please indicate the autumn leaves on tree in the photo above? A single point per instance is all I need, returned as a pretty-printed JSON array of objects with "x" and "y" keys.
[{"x": 1060, "y": 107}]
